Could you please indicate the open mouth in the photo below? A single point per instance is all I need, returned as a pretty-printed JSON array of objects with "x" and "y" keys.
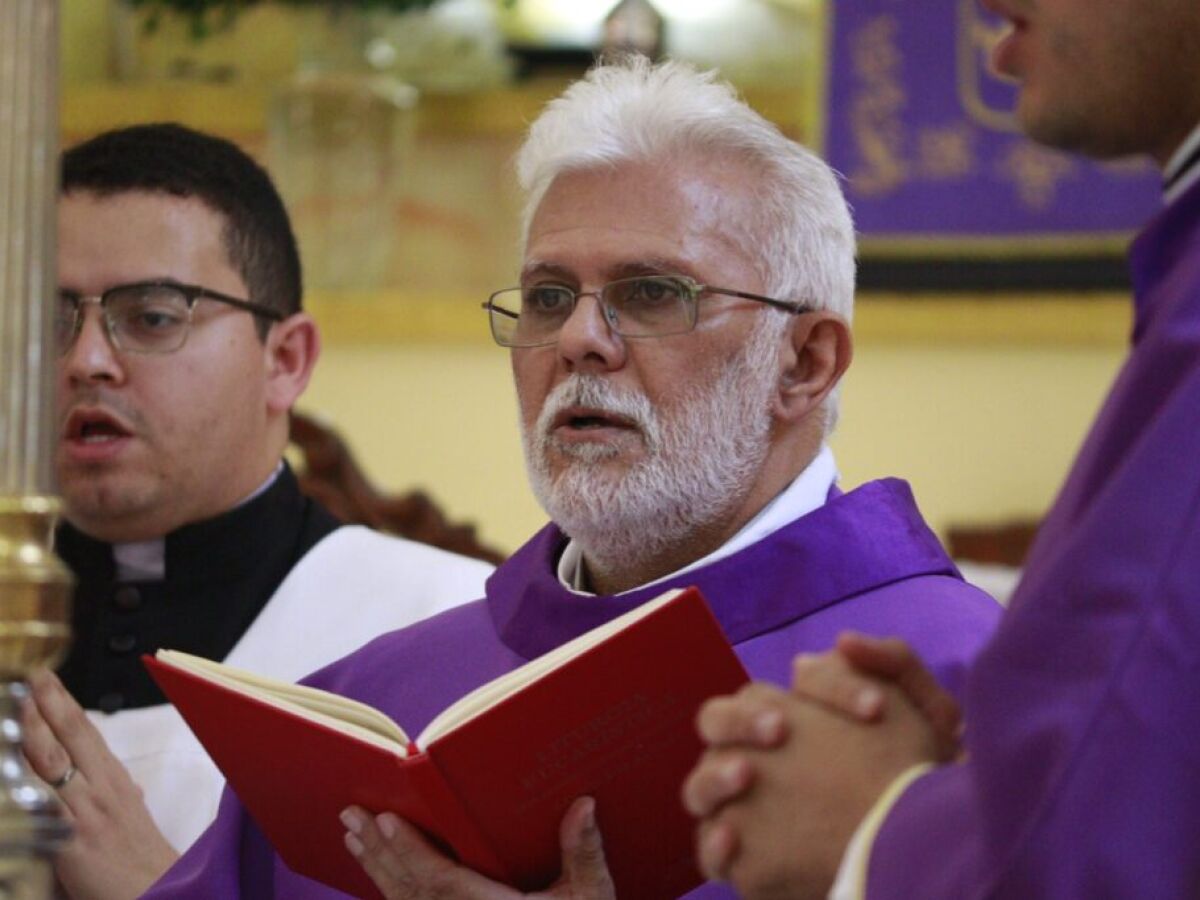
[
  {"x": 586, "y": 422},
  {"x": 90, "y": 427},
  {"x": 588, "y": 419}
]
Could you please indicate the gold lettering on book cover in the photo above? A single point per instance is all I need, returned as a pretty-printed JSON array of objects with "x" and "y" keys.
[{"x": 607, "y": 745}]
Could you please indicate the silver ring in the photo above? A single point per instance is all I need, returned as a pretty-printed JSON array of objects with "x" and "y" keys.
[{"x": 64, "y": 779}]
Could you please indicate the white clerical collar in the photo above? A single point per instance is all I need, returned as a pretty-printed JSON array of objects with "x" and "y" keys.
[
  {"x": 147, "y": 560},
  {"x": 1183, "y": 168},
  {"x": 140, "y": 560},
  {"x": 807, "y": 492}
]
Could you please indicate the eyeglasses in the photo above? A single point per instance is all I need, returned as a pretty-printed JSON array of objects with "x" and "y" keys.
[
  {"x": 642, "y": 307},
  {"x": 146, "y": 317}
]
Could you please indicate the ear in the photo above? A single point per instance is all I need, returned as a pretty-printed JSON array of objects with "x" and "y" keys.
[
  {"x": 817, "y": 355},
  {"x": 291, "y": 351}
]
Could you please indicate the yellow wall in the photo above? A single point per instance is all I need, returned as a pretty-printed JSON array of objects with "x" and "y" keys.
[
  {"x": 440, "y": 417},
  {"x": 984, "y": 433}
]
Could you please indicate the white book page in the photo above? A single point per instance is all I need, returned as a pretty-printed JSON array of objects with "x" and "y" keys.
[{"x": 340, "y": 713}]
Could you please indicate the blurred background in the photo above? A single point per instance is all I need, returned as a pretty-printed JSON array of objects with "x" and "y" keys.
[{"x": 993, "y": 312}]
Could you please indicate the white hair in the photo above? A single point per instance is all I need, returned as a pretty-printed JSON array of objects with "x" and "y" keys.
[
  {"x": 631, "y": 110},
  {"x": 801, "y": 235}
]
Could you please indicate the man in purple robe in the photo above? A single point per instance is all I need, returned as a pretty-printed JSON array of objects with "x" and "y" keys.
[
  {"x": 1081, "y": 776},
  {"x": 677, "y": 337}
]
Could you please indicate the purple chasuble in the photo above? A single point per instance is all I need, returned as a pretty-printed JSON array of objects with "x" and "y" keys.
[
  {"x": 864, "y": 560},
  {"x": 1083, "y": 714}
]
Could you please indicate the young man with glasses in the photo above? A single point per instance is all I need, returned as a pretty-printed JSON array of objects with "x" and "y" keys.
[
  {"x": 182, "y": 349},
  {"x": 676, "y": 337}
]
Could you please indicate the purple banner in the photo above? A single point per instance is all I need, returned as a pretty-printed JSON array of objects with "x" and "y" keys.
[{"x": 924, "y": 133}]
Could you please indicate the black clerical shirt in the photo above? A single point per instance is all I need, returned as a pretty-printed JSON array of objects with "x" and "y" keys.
[{"x": 219, "y": 574}]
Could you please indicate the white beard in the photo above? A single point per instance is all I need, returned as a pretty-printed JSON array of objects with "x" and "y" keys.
[{"x": 701, "y": 457}]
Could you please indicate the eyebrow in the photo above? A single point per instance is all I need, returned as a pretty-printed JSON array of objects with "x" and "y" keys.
[
  {"x": 653, "y": 265},
  {"x": 163, "y": 280},
  {"x": 537, "y": 267}
]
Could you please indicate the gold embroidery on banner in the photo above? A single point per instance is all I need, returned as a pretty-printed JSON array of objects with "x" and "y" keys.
[
  {"x": 875, "y": 114},
  {"x": 947, "y": 152},
  {"x": 974, "y": 145},
  {"x": 976, "y": 38},
  {"x": 1036, "y": 173}
]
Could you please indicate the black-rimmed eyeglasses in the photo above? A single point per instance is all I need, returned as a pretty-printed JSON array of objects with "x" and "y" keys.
[
  {"x": 145, "y": 317},
  {"x": 642, "y": 307}
]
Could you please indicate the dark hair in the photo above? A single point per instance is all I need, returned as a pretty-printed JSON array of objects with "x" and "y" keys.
[{"x": 172, "y": 159}]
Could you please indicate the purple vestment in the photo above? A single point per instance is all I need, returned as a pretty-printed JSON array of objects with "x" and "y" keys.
[
  {"x": 1083, "y": 714},
  {"x": 864, "y": 560}
]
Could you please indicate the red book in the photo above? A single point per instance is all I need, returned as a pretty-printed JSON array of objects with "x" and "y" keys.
[{"x": 609, "y": 715}]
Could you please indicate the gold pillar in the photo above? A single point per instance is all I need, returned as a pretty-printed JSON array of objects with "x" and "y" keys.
[{"x": 34, "y": 585}]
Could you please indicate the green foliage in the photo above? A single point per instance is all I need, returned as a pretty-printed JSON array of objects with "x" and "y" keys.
[{"x": 208, "y": 16}]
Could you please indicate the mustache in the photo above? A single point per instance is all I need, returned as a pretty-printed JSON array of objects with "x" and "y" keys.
[
  {"x": 101, "y": 398},
  {"x": 600, "y": 394}
]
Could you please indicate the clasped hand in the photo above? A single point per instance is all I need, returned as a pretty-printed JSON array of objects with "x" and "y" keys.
[{"x": 787, "y": 777}]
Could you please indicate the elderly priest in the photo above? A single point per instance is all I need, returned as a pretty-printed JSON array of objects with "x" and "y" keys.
[{"x": 677, "y": 338}]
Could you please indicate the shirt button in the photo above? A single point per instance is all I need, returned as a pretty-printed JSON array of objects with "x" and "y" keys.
[
  {"x": 122, "y": 643},
  {"x": 111, "y": 702},
  {"x": 127, "y": 597}
]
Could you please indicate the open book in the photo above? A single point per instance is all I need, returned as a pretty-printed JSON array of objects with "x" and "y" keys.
[{"x": 609, "y": 714}]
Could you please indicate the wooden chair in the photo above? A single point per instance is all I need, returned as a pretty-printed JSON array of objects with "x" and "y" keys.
[
  {"x": 1002, "y": 543},
  {"x": 991, "y": 556},
  {"x": 331, "y": 476}
]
